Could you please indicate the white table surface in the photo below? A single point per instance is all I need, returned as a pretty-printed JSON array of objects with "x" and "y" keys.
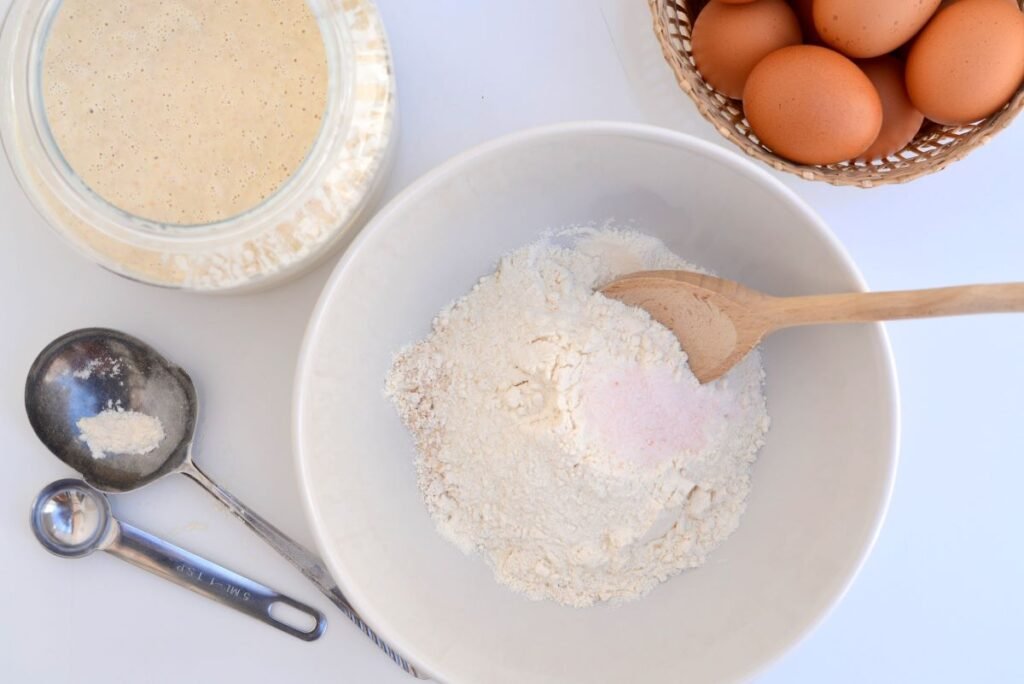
[{"x": 940, "y": 600}]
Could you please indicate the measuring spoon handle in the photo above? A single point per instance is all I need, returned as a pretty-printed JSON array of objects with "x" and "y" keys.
[
  {"x": 211, "y": 580},
  {"x": 302, "y": 558}
]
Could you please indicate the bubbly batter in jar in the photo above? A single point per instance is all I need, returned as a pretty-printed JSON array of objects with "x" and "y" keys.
[{"x": 185, "y": 111}]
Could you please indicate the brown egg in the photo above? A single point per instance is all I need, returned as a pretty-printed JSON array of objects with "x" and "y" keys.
[
  {"x": 968, "y": 62},
  {"x": 900, "y": 119},
  {"x": 904, "y": 50},
  {"x": 736, "y": 2},
  {"x": 869, "y": 28},
  {"x": 729, "y": 39},
  {"x": 812, "y": 105},
  {"x": 947, "y": 3}
]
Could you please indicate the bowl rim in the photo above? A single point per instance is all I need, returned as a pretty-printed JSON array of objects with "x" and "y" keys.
[{"x": 423, "y": 187}]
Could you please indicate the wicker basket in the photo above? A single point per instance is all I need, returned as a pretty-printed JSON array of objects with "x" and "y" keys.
[{"x": 934, "y": 148}]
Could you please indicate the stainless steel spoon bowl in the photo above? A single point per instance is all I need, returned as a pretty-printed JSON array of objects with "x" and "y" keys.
[
  {"x": 80, "y": 374},
  {"x": 86, "y": 371},
  {"x": 71, "y": 519}
]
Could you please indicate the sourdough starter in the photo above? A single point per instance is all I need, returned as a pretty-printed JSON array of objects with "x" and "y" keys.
[{"x": 184, "y": 111}]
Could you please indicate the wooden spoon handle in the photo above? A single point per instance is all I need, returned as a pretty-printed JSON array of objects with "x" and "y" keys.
[{"x": 784, "y": 312}]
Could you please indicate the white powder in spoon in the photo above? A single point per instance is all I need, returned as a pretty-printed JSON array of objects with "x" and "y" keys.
[
  {"x": 116, "y": 431},
  {"x": 561, "y": 433}
]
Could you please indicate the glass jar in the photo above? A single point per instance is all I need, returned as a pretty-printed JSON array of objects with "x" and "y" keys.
[{"x": 279, "y": 238}]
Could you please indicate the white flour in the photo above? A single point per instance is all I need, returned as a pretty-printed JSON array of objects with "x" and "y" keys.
[
  {"x": 562, "y": 435},
  {"x": 116, "y": 431}
]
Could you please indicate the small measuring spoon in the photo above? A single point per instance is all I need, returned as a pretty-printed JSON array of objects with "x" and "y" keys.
[
  {"x": 71, "y": 519},
  {"x": 84, "y": 372}
]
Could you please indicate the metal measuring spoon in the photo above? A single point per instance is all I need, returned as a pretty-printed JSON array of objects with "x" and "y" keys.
[
  {"x": 71, "y": 519},
  {"x": 80, "y": 374}
]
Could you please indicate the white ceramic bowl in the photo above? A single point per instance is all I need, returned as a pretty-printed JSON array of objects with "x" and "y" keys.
[{"x": 821, "y": 484}]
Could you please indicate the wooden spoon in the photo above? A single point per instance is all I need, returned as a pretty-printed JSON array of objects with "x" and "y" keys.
[{"x": 719, "y": 321}]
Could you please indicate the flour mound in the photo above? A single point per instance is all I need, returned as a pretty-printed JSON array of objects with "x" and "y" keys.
[
  {"x": 561, "y": 433},
  {"x": 116, "y": 431}
]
